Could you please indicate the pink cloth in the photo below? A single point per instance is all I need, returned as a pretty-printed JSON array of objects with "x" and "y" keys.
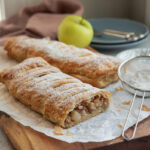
[{"x": 40, "y": 20}]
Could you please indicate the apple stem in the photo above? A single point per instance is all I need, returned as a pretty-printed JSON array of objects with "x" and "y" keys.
[{"x": 81, "y": 20}]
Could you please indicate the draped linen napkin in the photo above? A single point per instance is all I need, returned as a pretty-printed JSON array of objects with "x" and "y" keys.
[{"x": 41, "y": 20}]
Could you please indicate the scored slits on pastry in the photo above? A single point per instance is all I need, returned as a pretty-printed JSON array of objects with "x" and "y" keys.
[{"x": 55, "y": 95}]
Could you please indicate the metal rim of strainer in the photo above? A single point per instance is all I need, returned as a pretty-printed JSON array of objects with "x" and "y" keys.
[
  {"x": 125, "y": 82},
  {"x": 132, "y": 102}
]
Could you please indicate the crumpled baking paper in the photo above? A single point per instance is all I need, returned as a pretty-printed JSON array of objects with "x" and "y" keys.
[{"x": 103, "y": 127}]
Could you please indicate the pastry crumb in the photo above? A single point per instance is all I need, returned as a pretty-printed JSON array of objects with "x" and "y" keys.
[
  {"x": 126, "y": 102},
  {"x": 58, "y": 130},
  {"x": 120, "y": 126},
  {"x": 119, "y": 88},
  {"x": 107, "y": 93},
  {"x": 117, "y": 107},
  {"x": 68, "y": 133},
  {"x": 145, "y": 108},
  {"x": 119, "y": 110}
]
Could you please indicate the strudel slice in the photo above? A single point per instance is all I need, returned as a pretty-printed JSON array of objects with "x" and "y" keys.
[
  {"x": 96, "y": 69},
  {"x": 60, "y": 98}
]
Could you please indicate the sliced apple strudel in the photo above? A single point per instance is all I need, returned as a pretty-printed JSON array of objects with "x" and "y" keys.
[
  {"x": 96, "y": 69},
  {"x": 60, "y": 98}
]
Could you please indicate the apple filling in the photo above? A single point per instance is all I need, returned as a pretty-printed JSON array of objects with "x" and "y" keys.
[{"x": 86, "y": 109}]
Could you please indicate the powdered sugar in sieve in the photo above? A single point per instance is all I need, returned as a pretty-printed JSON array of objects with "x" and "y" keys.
[{"x": 135, "y": 77}]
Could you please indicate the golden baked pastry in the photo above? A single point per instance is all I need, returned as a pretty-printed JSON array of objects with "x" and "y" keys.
[
  {"x": 60, "y": 98},
  {"x": 96, "y": 69}
]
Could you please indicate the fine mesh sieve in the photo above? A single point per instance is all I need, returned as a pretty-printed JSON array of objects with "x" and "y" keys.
[{"x": 135, "y": 78}]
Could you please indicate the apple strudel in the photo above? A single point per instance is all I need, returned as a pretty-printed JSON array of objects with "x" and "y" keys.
[
  {"x": 96, "y": 69},
  {"x": 60, "y": 98}
]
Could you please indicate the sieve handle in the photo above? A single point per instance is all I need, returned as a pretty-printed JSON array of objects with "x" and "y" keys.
[{"x": 137, "y": 121}]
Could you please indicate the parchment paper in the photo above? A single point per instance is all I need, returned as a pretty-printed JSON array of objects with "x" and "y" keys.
[{"x": 103, "y": 127}]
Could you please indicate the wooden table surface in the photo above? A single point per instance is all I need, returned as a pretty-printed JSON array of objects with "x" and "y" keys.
[{"x": 25, "y": 138}]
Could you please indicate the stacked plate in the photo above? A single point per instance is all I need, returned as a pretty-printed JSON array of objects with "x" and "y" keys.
[{"x": 103, "y": 41}]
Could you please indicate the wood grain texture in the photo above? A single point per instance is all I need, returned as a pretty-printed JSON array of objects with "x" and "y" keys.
[{"x": 25, "y": 138}]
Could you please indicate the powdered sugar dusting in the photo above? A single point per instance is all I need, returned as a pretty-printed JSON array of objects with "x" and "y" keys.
[
  {"x": 68, "y": 53},
  {"x": 38, "y": 77},
  {"x": 55, "y": 49}
]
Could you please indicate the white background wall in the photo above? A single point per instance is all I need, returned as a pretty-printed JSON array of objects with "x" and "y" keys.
[
  {"x": 105, "y": 8},
  {"x": 13, "y": 6},
  {"x": 93, "y": 8},
  {"x": 147, "y": 12},
  {"x": 133, "y": 9}
]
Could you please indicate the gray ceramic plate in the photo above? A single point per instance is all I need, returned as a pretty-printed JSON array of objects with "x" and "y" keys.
[
  {"x": 124, "y": 25},
  {"x": 118, "y": 46}
]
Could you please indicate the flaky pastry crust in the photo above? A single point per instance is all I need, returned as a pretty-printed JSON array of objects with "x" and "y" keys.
[
  {"x": 60, "y": 98},
  {"x": 96, "y": 69}
]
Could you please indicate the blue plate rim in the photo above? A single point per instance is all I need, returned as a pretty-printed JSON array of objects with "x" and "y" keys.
[
  {"x": 123, "y": 42},
  {"x": 118, "y": 46}
]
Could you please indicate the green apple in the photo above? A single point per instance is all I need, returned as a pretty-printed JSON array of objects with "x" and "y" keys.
[{"x": 75, "y": 30}]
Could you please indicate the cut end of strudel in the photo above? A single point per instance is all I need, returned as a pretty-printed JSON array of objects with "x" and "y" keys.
[
  {"x": 96, "y": 69},
  {"x": 60, "y": 98}
]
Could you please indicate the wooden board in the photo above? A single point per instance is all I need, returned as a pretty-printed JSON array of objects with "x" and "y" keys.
[{"x": 25, "y": 138}]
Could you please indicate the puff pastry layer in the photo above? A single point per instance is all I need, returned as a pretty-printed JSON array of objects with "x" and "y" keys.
[
  {"x": 96, "y": 69},
  {"x": 60, "y": 98}
]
